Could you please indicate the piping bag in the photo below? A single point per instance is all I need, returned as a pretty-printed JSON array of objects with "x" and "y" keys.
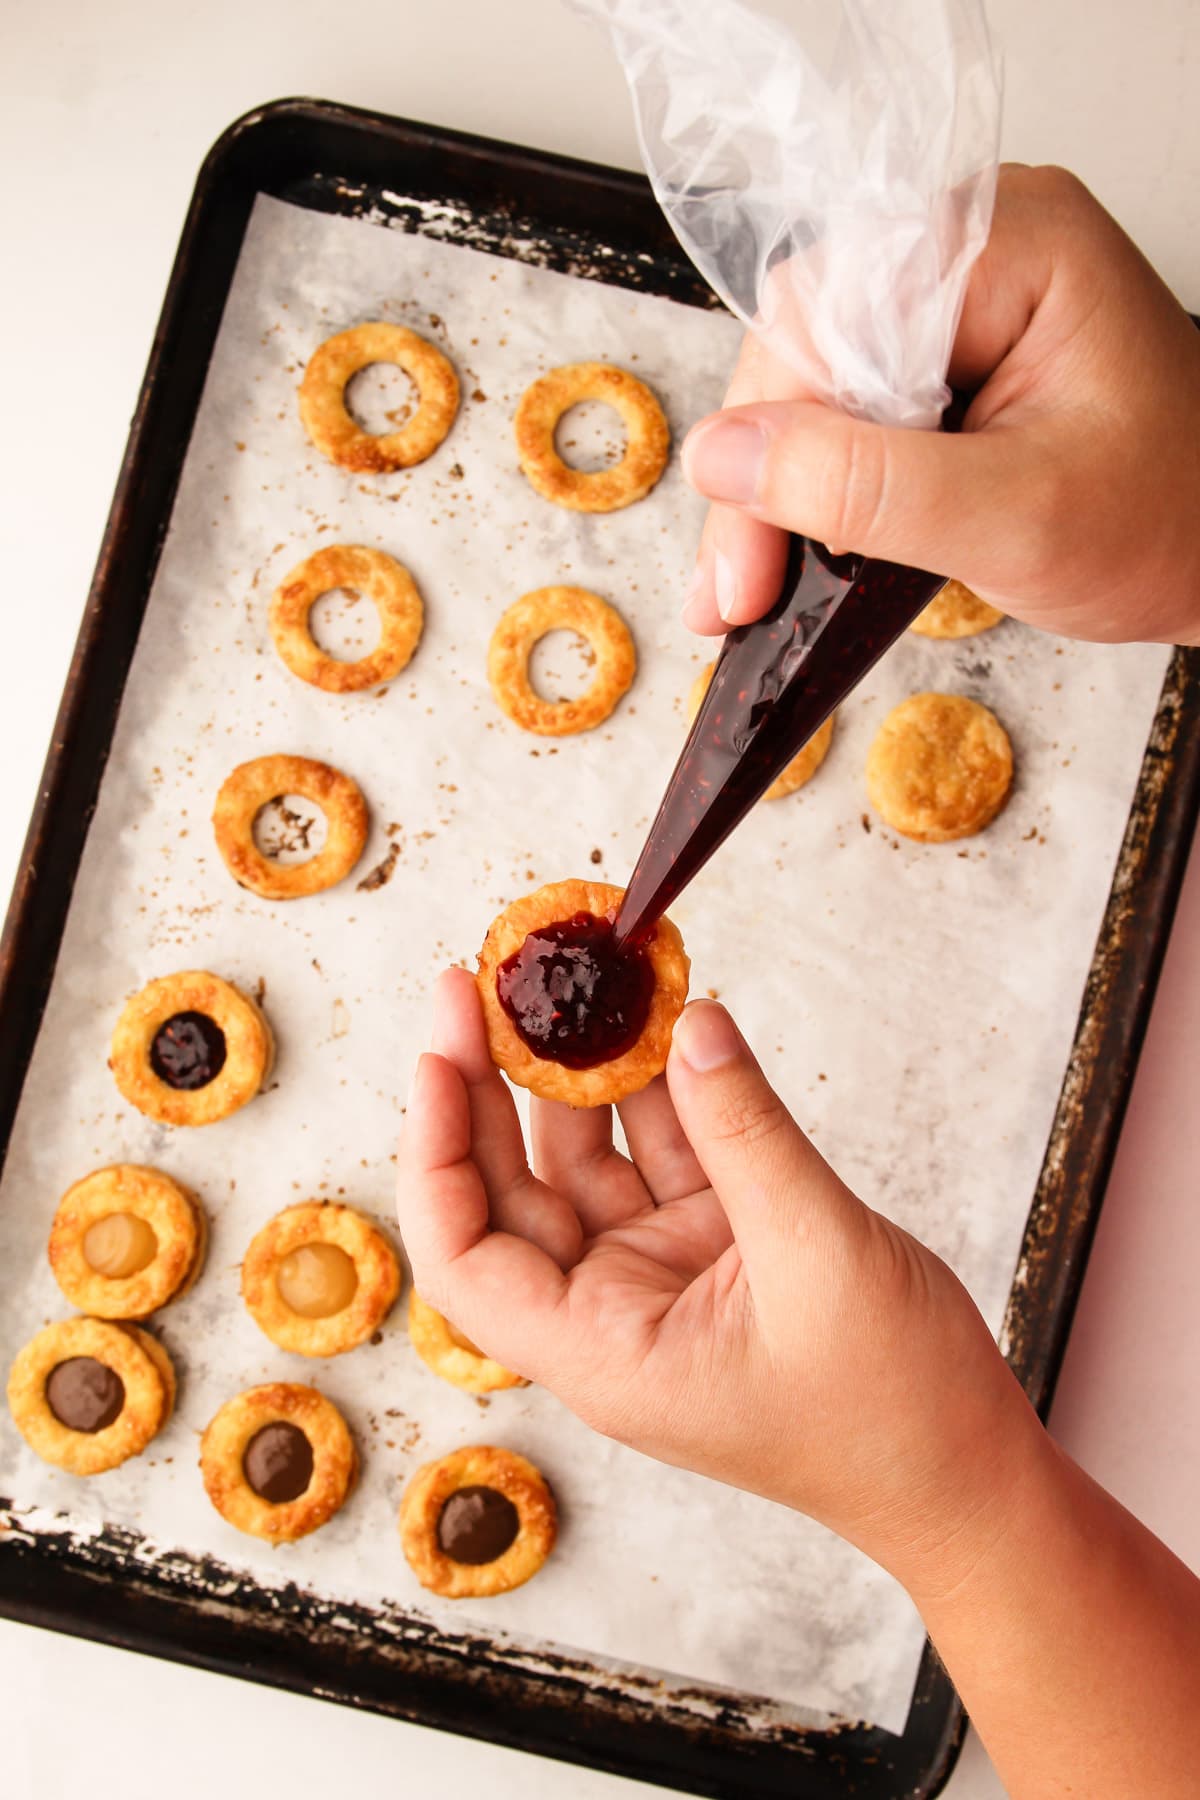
[{"x": 833, "y": 182}]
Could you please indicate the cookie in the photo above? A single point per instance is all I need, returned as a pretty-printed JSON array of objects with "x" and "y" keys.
[
  {"x": 539, "y": 978},
  {"x": 560, "y": 609},
  {"x": 319, "y": 1279},
  {"x": 478, "y": 1522},
  {"x": 940, "y": 768},
  {"x": 87, "y": 1394},
  {"x": 451, "y": 1355},
  {"x": 190, "y": 1049},
  {"x": 384, "y": 581},
  {"x": 955, "y": 613},
  {"x": 253, "y": 785},
  {"x": 329, "y": 425},
  {"x": 648, "y": 439},
  {"x": 278, "y": 1461},
  {"x": 126, "y": 1240}
]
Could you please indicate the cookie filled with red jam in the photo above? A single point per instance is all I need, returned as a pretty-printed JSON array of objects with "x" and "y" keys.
[{"x": 570, "y": 1014}]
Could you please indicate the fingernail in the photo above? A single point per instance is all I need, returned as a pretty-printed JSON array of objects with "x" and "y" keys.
[
  {"x": 706, "y": 1037},
  {"x": 725, "y": 585},
  {"x": 414, "y": 1086},
  {"x": 724, "y": 458}
]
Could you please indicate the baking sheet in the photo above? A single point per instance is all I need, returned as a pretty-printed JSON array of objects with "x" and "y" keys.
[{"x": 936, "y": 1112}]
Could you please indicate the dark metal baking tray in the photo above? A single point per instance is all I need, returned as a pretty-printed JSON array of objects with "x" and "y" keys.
[{"x": 588, "y": 221}]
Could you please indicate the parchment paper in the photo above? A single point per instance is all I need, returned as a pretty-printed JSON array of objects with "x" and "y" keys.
[{"x": 914, "y": 1004}]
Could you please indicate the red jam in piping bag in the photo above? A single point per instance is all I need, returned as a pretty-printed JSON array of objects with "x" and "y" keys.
[{"x": 775, "y": 682}]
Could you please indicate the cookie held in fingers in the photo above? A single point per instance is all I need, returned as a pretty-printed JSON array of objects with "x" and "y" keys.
[
  {"x": 803, "y": 765},
  {"x": 478, "y": 1522},
  {"x": 648, "y": 439},
  {"x": 372, "y": 573},
  {"x": 567, "y": 1016},
  {"x": 454, "y": 1357},
  {"x": 253, "y": 785},
  {"x": 278, "y": 1461},
  {"x": 940, "y": 768},
  {"x": 87, "y": 1394},
  {"x": 327, "y": 420},
  {"x": 126, "y": 1240},
  {"x": 560, "y": 609},
  {"x": 956, "y": 612},
  {"x": 190, "y": 1049},
  {"x": 319, "y": 1279}
]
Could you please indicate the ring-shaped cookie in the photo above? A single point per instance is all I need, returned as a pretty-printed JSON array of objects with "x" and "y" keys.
[
  {"x": 940, "y": 768},
  {"x": 253, "y": 785},
  {"x": 320, "y": 1222},
  {"x": 383, "y": 580},
  {"x": 560, "y": 609},
  {"x": 139, "y": 1362},
  {"x": 249, "y": 1048},
  {"x": 328, "y": 423},
  {"x": 455, "y": 1358},
  {"x": 956, "y": 612},
  {"x": 803, "y": 765},
  {"x": 648, "y": 439},
  {"x": 606, "y": 1082},
  {"x": 172, "y": 1213},
  {"x": 478, "y": 1465},
  {"x": 228, "y": 1436}
]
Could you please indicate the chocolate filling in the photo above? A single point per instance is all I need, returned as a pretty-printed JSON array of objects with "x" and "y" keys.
[
  {"x": 83, "y": 1394},
  {"x": 278, "y": 1462},
  {"x": 188, "y": 1051},
  {"x": 477, "y": 1525}
]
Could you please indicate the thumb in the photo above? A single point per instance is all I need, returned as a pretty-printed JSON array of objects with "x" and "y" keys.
[
  {"x": 773, "y": 1184},
  {"x": 917, "y": 497}
]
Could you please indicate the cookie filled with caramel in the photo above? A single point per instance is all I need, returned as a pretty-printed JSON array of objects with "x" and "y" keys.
[
  {"x": 478, "y": 1522},
  {"x": 571, "y": 1015},
  {"x": 125, "y": 1240},
  {"x": 319, "y": 1278}
]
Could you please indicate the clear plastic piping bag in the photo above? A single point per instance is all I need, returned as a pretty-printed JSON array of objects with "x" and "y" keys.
[{"x": 831, "y": 178}]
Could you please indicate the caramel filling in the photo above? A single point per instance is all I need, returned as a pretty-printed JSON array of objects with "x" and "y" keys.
[
  {"x": 119, "y": 1245},
  {"x": 317, "y": 1280}
]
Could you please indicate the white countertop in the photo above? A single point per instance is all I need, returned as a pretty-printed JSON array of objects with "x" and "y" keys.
[{"x": 105, "y": 114}]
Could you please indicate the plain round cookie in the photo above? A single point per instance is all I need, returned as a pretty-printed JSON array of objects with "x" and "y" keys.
[
  {"x": 956, "y": 613},
  {"x": 940, "y": 768}
]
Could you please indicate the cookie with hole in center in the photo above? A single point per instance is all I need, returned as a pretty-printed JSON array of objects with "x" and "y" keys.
[
  {"x": 528, "y": 620},
  {"x": 391, "y": 590},
  {"x": 339, "y": 436},
  {"x": 647, "y": 446},
  {"x": 252, "y": 786}
]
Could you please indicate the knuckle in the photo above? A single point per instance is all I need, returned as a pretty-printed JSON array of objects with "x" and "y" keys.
[
  {"x": 750, "y": 1117},
  {"x": 853, "y": 493}
]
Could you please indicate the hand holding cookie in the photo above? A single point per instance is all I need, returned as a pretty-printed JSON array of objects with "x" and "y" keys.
[{"x": 718, "y": 1299}]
